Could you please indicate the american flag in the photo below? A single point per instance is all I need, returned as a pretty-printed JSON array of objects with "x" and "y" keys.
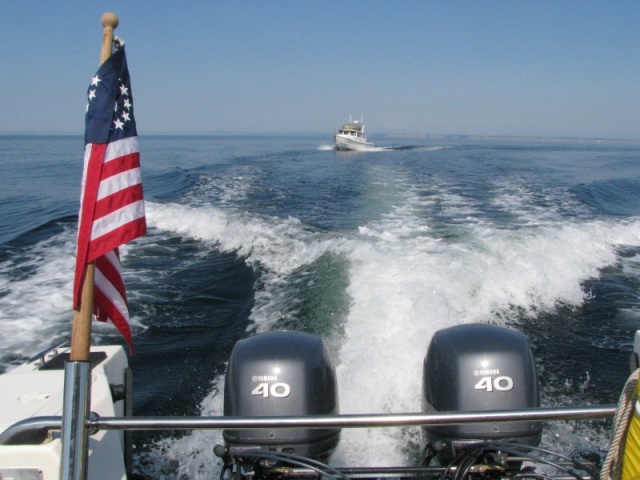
[{"x": 111, "y": 203}]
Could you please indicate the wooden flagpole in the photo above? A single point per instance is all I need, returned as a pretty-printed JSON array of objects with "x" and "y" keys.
[
  {"x": 74, "y": 456},
  {"x": 109, "y": 22},
  {"x": 81, "y": 330}
]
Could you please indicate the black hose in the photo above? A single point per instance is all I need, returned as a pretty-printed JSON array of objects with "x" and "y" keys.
[{"x": 297, "y": 460}]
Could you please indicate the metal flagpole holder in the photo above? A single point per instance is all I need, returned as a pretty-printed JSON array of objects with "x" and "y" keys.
[{"x": 75, "y": 419}]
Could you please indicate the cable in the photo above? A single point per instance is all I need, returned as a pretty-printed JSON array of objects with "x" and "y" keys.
[
  {"x": 312, "y": 461},
  {"x": 465, "y": 465},
  {"x": 525, "y": 476},
  {"x": 297, "y": 460},
  {"x": 462, "y": 465},
  {"x": 523, "y": 451},
  {"x": 453, "y": 463}
]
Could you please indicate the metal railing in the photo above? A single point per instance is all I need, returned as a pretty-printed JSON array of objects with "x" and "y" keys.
[{"x": 35, "y": 427}]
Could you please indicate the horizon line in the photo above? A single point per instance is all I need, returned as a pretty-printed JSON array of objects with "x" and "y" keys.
[{"x": 450, "y": 136}]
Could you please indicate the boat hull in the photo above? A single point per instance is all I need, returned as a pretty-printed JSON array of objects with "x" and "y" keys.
[
  {"x": 36, "y": 389},
  {"x": 344, "y": 143}
]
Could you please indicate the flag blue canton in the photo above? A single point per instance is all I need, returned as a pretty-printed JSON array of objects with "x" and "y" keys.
[{"x": 110, "y": 107}]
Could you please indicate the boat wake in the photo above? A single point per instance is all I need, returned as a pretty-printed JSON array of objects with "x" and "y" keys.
[
  {"x": 375, "y": 148},
  {"x": 415, "y": 147},
  {"x": 326, "y": 148},
  {"x": 398, "y": 269},
  {"x": 375, "y": 256}
]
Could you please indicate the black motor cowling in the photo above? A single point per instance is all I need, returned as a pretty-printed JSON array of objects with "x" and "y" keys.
[
  {"x": 479, "y": 367},
  {"x": 282, "y": 374}
]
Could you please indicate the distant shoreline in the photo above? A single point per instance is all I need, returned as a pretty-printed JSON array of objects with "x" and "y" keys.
[{"x": 518, "y": 138}]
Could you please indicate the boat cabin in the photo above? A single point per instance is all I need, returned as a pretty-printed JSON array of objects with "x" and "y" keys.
[{"x": 352, "y": 129}]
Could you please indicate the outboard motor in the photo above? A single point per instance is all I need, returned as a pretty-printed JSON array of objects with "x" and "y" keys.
[
  {"x": 478, "y": 367},
  {"x": 280, "y": 374}
]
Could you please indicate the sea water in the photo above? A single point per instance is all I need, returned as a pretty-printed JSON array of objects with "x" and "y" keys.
[{"x": 374, "y": 251}]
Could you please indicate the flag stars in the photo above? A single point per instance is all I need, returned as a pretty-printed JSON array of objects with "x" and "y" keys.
[{"x": 122, "y": 107}]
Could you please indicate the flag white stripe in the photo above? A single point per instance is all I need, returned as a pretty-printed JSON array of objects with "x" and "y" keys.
[
  {"x": 120, "y": 148},
  {"x": 119, "y": 182},
  {"x": 83, "y": 182},
  {"x": 113, "y": 260},
  {"x": 87, "y": 156},
  {"x": 117, "y": 219}
]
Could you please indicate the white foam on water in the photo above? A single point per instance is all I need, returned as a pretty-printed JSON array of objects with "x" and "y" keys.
[
  {"x": 535, "y": 206},
  {"x": 404, "y": 285},
  {"x": 223, "y": 190},
  {"x": 382, "y": 148},
  {"x": 403, "y": 295},
  {"x": 190, "y": 456},
  {"x": 275, "y": 247},
  {"x": 326, "y": 147},
  {"x": 36, "y": 308}
]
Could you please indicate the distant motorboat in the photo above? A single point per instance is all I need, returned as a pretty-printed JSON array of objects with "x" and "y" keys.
[{"x": 351, "y": 136}]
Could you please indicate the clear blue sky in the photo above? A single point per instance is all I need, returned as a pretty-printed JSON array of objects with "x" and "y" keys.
[{"x": 559, "y": 68}]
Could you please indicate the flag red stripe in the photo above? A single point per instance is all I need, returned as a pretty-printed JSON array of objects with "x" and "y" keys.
[
  {"x": 94, "y": 155},
  {"x": 121, "y": 164},
  {"x": 102, "y": 227},
  {"x": 91, "y": 185},
  {"x": 112, "y": 273},
  {"x": 119, "y": 236},
  {"x": 104, "y": 309},
  {"x": 124, "y": 197},
  {"x": 110, "y": 298}
]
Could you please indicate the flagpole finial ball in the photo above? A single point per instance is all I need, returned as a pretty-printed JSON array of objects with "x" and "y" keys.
[{"x": 109, "y": 20}]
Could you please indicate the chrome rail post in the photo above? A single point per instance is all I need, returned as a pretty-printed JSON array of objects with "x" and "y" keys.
[{"x": 74, "y": 461}]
